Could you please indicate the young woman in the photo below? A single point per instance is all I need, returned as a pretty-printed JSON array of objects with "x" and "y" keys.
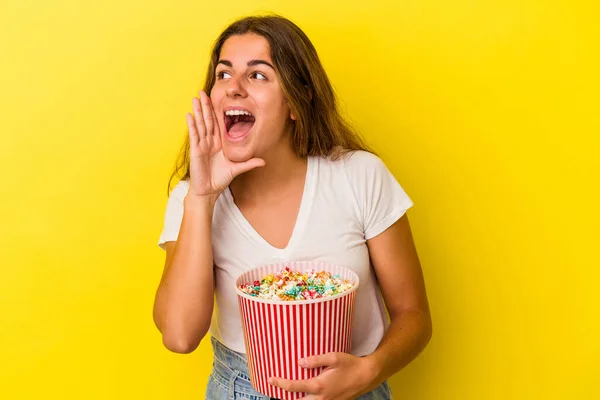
[{"x": 272, "y": 172}]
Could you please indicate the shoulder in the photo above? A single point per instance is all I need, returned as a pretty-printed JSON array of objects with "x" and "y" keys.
[
  {"x": 180, "y": 190},
  {"x": 359, "y": 159},
  {"x": 353, "y": 159},
  {"x": 360, "y": 169},
  {"x": 359, "y": 165},
  {"x": 173, "y": 213}
]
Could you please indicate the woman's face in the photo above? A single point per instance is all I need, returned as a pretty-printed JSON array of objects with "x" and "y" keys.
[{"x": 248, "y": 99}]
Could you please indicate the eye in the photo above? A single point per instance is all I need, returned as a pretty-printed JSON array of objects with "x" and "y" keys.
[
  {"x": 258, "y": 75},
  {"x": 223, "y": 75}
]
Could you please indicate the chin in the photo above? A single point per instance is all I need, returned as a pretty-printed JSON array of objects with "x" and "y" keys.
[{"x": 238, "y": 154}]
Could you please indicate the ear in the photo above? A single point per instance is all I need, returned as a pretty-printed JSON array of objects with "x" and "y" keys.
[{"x": 292, "y": 116}]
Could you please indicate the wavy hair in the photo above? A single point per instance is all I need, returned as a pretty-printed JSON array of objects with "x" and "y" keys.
[{"x": 319, "y": 128}]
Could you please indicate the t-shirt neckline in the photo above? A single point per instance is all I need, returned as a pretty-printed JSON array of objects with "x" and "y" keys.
[{"x": 301, "y": 219}]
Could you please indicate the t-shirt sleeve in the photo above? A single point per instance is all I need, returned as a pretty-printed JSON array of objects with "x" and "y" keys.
[
  {"x": 173, "y": 214},
  {"x": 381, "y": 199}
]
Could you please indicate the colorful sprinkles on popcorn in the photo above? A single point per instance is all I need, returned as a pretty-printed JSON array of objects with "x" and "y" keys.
[{"x": 294, "y": 285}]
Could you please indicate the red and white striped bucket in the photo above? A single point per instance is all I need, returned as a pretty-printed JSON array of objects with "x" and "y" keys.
[{"x": 279, "y": 333}]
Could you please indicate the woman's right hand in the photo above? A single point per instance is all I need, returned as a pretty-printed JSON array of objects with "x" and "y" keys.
[{"x": 210, "y": 171}]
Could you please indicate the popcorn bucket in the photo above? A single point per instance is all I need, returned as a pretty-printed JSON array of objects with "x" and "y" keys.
[{"x": 278, "y": 333}]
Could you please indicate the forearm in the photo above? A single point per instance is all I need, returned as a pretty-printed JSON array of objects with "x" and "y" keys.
[
  {"x": 408, "y": 334},
  {"x": 184, "y": 302}
]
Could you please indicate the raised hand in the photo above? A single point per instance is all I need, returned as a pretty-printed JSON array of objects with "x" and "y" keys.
[{"x": 210, "y": 171}]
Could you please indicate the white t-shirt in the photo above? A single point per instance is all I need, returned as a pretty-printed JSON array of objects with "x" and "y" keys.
[{"x": 345, "y": 202}]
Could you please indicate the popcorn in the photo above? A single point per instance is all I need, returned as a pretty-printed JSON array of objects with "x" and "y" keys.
[{"x": 288, "y": 285}]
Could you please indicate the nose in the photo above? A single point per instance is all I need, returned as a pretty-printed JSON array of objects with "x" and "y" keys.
[{"x": 235, "y": 87}]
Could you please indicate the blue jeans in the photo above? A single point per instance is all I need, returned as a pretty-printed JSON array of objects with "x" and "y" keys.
[{"x": 230, "y": 379}]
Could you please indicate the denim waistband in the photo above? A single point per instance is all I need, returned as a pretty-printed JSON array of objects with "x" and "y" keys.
[
  {"x": 227, "y": 360},
  {"x": 230, "y": 368}
]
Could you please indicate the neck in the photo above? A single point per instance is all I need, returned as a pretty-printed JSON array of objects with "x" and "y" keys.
[{"x": 282, "y": 168}]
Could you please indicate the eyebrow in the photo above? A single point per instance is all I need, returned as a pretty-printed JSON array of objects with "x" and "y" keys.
[{"x": 250, "y": 63}]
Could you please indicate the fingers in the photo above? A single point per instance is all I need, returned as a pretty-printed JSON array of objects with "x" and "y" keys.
[
  {"x": 192, "y": 130},
  {"x": 322, "y": 360},
  {"x": 199, "y": 118},
  {"x": 204, "y": 127},
  {"x": 306, "y": 385},
  {"x": 216, "y": 129},
  {"x": 207, "y": 113}
]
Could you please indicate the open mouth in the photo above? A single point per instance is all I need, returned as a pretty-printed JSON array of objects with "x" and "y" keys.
[{"x": 238, "y": 123}]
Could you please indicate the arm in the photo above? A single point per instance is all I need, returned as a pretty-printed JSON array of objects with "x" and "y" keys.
[
  {"x": 400, "y": 277},
  {"x": 184, "y": 299},
  {"x": 399, "y": 273}
]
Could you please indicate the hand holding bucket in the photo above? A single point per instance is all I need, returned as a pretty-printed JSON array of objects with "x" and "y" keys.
[{"x": 278, "y": 333}]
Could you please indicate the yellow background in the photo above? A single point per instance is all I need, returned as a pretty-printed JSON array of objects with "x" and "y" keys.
[{"x": 486, "y": 112}]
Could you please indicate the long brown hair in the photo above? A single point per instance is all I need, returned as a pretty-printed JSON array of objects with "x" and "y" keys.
[{"x": 319, "y": 129}]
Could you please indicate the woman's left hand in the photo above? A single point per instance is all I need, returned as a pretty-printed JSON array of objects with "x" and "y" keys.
[{"x": 346, "y": 377}]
